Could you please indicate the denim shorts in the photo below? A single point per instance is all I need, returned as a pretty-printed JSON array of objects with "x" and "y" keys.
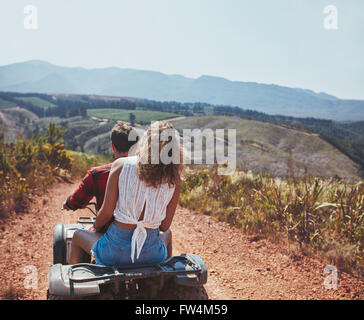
[{"x": 114, "y": 248}]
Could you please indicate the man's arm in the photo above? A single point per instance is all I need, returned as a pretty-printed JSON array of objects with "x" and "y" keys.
[{"x": 83, "y": 194}]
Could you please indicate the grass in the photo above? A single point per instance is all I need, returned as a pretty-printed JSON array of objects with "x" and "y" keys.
[
  {"x": 37, "y": 102},
  {"x": 321, "y": 217},
  {"x": 141, "y": 116}
]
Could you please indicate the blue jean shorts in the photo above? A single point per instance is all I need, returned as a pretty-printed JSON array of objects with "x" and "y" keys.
[{"x": 114, "y": 248}]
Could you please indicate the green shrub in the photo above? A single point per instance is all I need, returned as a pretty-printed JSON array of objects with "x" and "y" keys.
[{"x": 30, "y": 166}]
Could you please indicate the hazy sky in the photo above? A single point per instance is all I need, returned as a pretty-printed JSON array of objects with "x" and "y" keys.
[{"x": 282, "y": 41}]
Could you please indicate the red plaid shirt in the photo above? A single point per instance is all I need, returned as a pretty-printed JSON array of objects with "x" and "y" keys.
[{"x": 92, "y": 185}]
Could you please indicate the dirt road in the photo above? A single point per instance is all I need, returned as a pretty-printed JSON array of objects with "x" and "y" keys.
[{"x": 240, "y": 266}]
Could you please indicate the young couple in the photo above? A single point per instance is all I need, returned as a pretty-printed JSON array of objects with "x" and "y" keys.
[{"x": 137, "y": 202}]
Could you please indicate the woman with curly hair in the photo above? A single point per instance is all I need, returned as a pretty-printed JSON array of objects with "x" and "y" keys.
[{"x": 142, "y": 195}]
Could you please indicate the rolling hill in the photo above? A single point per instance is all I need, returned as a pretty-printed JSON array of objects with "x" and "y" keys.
[
  {"x": 43, "y": 77},
  {"x": 265, "y": 143},
  {"x": 261, "y": 146},
  {"x": 265, "y": 147}
]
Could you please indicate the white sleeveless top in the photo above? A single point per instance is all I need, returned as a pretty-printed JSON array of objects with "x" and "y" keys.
[{"x": 133, "y": 194}]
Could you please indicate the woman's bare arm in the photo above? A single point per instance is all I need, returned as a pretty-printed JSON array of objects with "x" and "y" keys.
[
  {"x": 171, "y": 208},
  {"x": 111, "y": 195}
]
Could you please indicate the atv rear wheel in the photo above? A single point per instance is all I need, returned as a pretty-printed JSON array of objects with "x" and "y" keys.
[
  {"x": 59, "y": 245},
  {"x": 173, "y": 291},
  {"x": 53, "y": 297}
]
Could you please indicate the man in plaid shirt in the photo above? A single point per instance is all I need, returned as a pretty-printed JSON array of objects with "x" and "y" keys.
[{"x": 94, "y": 183}]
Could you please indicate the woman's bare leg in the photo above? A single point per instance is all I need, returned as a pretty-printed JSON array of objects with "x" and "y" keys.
[
  {"x": 166, "y": 237},
  {"x": 82, "y": 242}
]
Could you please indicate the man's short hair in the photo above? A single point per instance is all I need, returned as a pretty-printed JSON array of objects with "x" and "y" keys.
[{"x": 123, "y": 136}]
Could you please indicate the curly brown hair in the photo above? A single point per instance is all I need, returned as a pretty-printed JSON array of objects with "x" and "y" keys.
[{"x": 155, "y": 168}]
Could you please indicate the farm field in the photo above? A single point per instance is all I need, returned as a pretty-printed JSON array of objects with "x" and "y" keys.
[
  {"x": 4, "y": 104},
  {"x": 37, "y": 102}
]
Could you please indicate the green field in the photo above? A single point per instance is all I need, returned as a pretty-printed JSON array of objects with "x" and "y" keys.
[
  {"x": 6, "y": 104},
  {"x": 142, "y": 116},
  {"x": 37, "y": 102}
]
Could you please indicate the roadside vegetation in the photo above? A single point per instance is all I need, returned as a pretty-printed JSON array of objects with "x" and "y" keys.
[
  {"x": 316, "y": 216},
  {"x": 30, "y": 166}
]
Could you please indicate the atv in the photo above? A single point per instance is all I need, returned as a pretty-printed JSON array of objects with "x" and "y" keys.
[{"x": 177, "y": 278}]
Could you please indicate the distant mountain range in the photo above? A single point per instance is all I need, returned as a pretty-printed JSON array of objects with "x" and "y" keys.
[{"x": 43, "y": 77}]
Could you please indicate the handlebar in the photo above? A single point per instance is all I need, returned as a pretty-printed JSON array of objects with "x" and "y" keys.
[
  {"x": 92, "y": 204},
  {"x": 94, "y": 212}
]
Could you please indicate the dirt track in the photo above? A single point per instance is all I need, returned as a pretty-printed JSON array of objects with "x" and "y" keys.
[{"x": 240, "y": 266}]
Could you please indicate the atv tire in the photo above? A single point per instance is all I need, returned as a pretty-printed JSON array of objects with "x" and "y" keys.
[
  {"x": 53, "y": 297},
  {"x": 59, "y": 245},
  {"x": 173, "y": 291}
]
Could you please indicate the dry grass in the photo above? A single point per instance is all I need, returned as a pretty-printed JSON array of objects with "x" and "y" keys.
[{"x": 323, "y": 217}]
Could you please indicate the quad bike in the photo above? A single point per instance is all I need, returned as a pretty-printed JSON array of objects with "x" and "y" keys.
[{"x": 177, "y": 278}]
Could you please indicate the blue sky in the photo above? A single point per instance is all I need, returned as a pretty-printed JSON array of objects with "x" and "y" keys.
[{"x": 281, "y": 41}]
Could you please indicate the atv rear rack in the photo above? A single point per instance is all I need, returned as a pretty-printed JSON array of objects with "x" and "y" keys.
[
  {"x": 86, "y": 279},
  {"x": 135, "y": 271}
]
